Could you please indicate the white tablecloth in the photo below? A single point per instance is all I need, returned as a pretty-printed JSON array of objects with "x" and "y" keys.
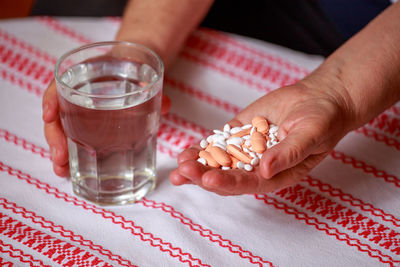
[{"x": 346, "y": 213}]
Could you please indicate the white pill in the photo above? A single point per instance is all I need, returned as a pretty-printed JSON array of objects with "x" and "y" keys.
[
  {"x": 235, "y": 130},
  {"x": 248, "y": 167},
  {"x": 210, "y": 138},
  {"x": 252, "y": 154},
  {"x": 248, "y": 143},
  {"x": 238, "y": 141},
  {"x": 247, "y": 126},
  {"x": 225, "y": 168},
  {"x": 226, "y": 135},
  {"x": 246, "y": 150},
  {"x": 220, "y": 144},
  {"x": 203, "y": 143},
  {"x": 246, "y": 137},
  {"x": 273, "y": 129},
  {"x": 259, "y": 155},
  {"x": 240, "y": 164},
  {"x": 227, "y": 128},
  {"x": 253, "y": 129},
  {"x": 218, "y": 138},
  {"x": 255, "y": 161},
  {"x": 272, "y": 136},
  {"x": 202, "y": 161},
  {"x": 218, "y": 132}
]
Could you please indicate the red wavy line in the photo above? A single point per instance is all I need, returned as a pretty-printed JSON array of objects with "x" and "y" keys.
[
  {"x": 21, "y": 82},
  {"x": 358, "y": 164},
  {"x": 321, "y": 226},
  {"x": 7, "y": 37},
  {"x": 272, "y": 58},
  {"x": 106, "y": 214},
  {"x": 58, "y": 27},
  {"x": 391, "y": 142},
  {"x": 11, "y": 249},
  {"x": 6, "y": 135},
  {"x": 165, "y": 208},
  {"x": 242, "y": 62},
  {"x": 202, "y": 96},
  {"x": 355, "y": 202},
  {"x": 63, "y": 232},
  {"x": 203, "y": 231}
]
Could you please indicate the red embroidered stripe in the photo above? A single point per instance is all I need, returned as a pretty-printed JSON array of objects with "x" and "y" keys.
[
  {"x": 324, "y": 227},
  {"x": 357, "y": 223},
  {"x": 57, "y": 250},
  {"x": 59, "y": 229},
  {"x": 136, "y": 230},
  {"x": 19, "y": 255}
]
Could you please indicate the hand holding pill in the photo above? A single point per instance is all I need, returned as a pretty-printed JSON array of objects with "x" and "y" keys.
[{"x": 271, "y": 144}]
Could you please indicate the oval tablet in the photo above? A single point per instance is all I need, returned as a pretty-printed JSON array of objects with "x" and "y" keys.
[
  {"x": 260, "y": 123},
  {"x": 258, "y": 142},
  {"x": 210, "y": 160},
  {"x": 238, "y": 153},
  {"x": 220, "y": 156}
]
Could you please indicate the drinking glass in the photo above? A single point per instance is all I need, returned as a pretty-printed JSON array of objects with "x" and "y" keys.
[{"x": 110, "y": 99}]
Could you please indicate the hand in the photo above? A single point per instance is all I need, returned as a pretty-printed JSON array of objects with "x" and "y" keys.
[
  {"x": 54, "y": 132},
  {"x": 311, "y": 121}
]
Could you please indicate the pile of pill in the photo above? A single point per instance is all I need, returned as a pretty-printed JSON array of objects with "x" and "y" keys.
[{"x": 238, "y": 147}]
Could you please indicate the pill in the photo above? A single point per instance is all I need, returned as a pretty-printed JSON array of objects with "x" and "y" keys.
[
  {"x": 225, "y": 168},
  {"x": 240, "y": 165},
  {"x": 258, "y": 142},
  {"x": 252, "y": 154},
  {"x": 273, "y": 129},
  {"x": 226, "y": 135},
  {"x": 253, "y": 129},
  {"x": 238, "y": 141},
  {"x": 218, "y": 144},
  {"x": 218, "y": 132},
  {"x": 238, "y": 153},
  {"x": 246, "y": 137},
  {"x": 259, "y": 155},
  {"x": 209, "y": 146},
  {"x": 210, "y": 138},
  {"x": 209, "y": 158},
  {"x": 202, "y": 161},
  {"x": 260, "y": 123},
  {"x": 241, "y": 133},
  {"x": 247, "y": 143},
  {"x": 247, "y": 126},
  {"x": 235, "y": 130},
  {"x": 227, "y": 128},
  {"x": 203, "y": 143},
  {"x": 248, "y": 167},
  {"x": 218, "y": 137},
  {"x": 234, "y": 163},
  {"x": 220, "y": 156},
  {"x": 245, "y": 149},
  {"x": 255, "y": 161}
]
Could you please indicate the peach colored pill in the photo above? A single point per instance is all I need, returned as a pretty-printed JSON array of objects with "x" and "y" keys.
[
  {"x": 210, "y": 160},
  {"x": 238, "y": 153},
  {"x": 241, "y": 133},
  {"x": 260, "y": 123},
  {"x": 210, "y": 145},
  {"x": 220, "y": 156},
  {"x": 258, "y": 142},
  {"x": 234, "y": 162}
]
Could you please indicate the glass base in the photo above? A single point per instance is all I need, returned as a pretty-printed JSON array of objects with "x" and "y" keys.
[{"x": 107, "y": 198}]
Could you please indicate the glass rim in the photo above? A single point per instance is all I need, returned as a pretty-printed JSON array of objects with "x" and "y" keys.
[{"x": 108, "y": 43}]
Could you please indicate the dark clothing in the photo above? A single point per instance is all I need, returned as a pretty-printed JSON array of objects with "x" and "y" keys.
[{"x": 311, "y": 26}]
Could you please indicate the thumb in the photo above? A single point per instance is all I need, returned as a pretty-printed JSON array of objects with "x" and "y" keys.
[{"x": 293, "y": 149}]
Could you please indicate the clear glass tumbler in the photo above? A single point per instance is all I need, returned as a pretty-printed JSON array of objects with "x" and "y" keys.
[{"x": 110, "y": 99}]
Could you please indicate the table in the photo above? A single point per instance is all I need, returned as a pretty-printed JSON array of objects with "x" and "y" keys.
[{"x": 345, "y": 213}]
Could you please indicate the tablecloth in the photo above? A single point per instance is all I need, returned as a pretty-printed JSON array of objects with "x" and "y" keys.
[{"x": 345, "y": 213}]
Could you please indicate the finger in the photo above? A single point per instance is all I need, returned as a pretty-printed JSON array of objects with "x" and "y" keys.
[
  {"x": 292, "y": 150},
  {"x": 57, "y": 141},
  {"x": 165, "y": 104},
  {"x": 177, "y": 179},
  {"x": 231, "y": 182},
  {"x": 189, "y": 154},
  {"x": 62, "y": 171},
  {"x": 290, "y": 176},
  {"x": 193, "y": 170},
  {"x": 50, "y": 103}
]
